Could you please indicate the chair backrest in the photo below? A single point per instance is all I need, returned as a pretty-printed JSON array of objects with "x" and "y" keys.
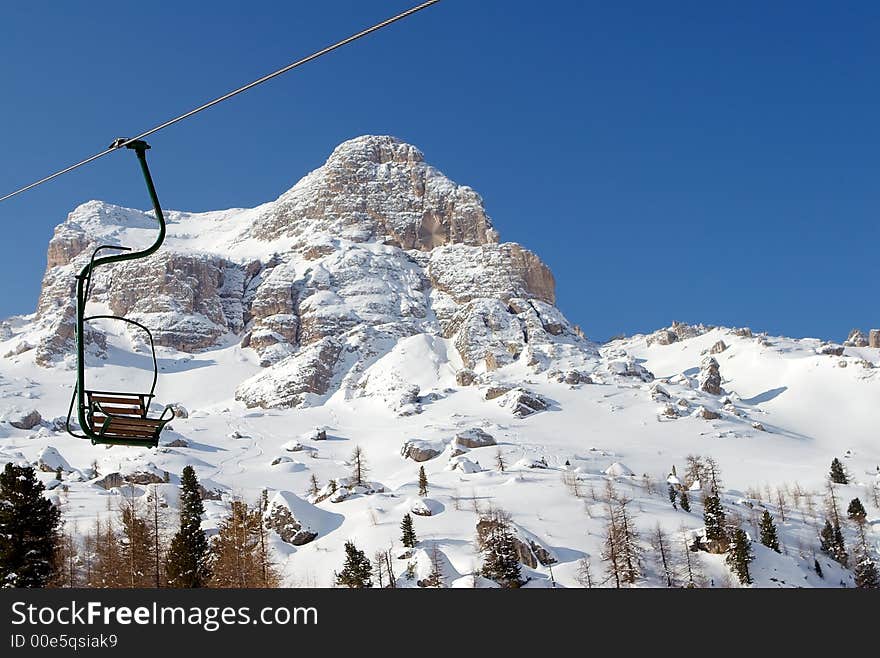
[{"x": 131, "y": 405}]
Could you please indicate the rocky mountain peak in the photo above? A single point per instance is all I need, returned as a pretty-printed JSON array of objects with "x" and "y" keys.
[
  {"x": 369, "y": 252},
  {"x": 380, "y": 188}
]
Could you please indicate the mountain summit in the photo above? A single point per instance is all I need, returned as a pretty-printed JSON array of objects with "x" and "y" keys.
[{"x": 373, "y": 247}]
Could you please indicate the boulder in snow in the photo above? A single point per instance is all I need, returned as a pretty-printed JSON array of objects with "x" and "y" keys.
[
  {"x": 23, "y": 419},
  {"x": 464, "y": 465},
  {"x": 50, "y": 460},
  {"x": 522, "y": 402},
  {"x": 706, "y": 414},
  {"x": 474, "y": 438},
  {"x": 421, "y": 451},
  {"x": 617, "y": 470}
]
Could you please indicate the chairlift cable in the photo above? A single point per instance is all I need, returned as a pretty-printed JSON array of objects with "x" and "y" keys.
[{"x": 235, "y": 92}]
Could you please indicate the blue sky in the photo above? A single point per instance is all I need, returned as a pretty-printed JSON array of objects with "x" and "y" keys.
[{"x": 704, "y": 162}]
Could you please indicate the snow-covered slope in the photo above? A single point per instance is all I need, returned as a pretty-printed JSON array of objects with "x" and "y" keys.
[{"x": 374, "y": 300}]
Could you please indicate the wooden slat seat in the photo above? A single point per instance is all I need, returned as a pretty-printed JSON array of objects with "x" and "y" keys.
[{"x": 123, "y": 416}]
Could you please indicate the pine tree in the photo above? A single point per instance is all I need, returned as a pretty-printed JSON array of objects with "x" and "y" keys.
[
  {"x": 135, "y": 543},
  {"x": 314, "y": 486},
  {"x": 357, "y": 571},
  {"x": 186, "y": 564},
  {"x": 832, "y": 544},
  {"x": 684, "y": 501},
  {"x": 108, "y": 569},
  {"x": 358, "y": 463},
  {"x": 838, "y": 474},
  {"x": 768, "y": 532},
  {"x": 423, "y": 482},
  {"x": 435, "y": 578},
  {"x": 500, "y": 464},
  {"x": 856, "y": 511},
  {"x": 826, "y": 538},
  {"x": 498, "y": 545},
  {"x": 409, "y": 534},
  {"x": 29, "y": 528},
  {"x": 866, "y": 574},
  {"x": 239, "y": 555},
  {"x": 715, "y": 520},
  {"x": 739, "y": 556},
  {"x": 668, "y": 568},
  {"x": 673, "y": 496}
]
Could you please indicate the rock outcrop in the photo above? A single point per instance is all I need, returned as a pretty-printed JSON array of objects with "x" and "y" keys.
[
  {"x": 373, "y": 247},
  {"x": 710, "y": 377}
]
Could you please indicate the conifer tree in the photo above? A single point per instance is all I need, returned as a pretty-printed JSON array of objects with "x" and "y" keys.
[
  {"x": 108, "y": 569},
  {"x": 187, "y": 562},
  {"x": 314, "y": 486},
  {"x": 673, "y": 496},
  {"x": 684, "y": 501},
  {"x": 856, "y": 511},
  {"x": 832, "y": 544},
  {"x": 664, "y": 556},
  {"x": 500, "y": 464},
  {"x": 498, "y": 545},
  {"x": 838, "y": 474},
  {"x": 435, "y": 578},
  {"x": 358, "y": 463},
  {"x": 423, "y": 482},
  {"x": 768, "y": 532},
  {"x": 135, "y": 543},
  {"x": 29, "y": 526},
  {"x": 715, "y": 520},
  {"x": 739, "y": 556},
  {"x": 239, "y": 557},
  {"x": 357, "y": 571},
  {"x": 866, "y": 574},
  {"x": 409, "y": 534}
]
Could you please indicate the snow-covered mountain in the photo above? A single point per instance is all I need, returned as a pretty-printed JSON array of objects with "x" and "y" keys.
[{"x": 374, "y": 300}]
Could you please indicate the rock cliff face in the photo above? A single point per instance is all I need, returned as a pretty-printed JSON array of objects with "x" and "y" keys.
[{"x": 371, "y": 248}]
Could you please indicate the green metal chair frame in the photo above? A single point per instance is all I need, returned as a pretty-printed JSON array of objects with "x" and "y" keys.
[{"x": 110, "y": 417}]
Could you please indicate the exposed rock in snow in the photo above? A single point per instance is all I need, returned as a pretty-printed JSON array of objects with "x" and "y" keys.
[
  {"x": 857, "y": 338},
  {"x": 465, "y": 377},
  {"x": 618, "y": 470},
  {"x": 474, "y": 438},
  {"x": 464, "y": 465},
  {"x": 50, "y": 460},
  {"x": 297, "y": 521},
  {"x": 662, "y": 337},
  {"x": 110, "y": 481},
  {"x": 874, "y": 338},
  {"x": 421, "y": 451},
  {"x": 179, "y": 410},
  {"x": 522, "y": 402},
  {"x": 627, "y": 366},
  {"x": 424, "y": 506},
  {"x": 705, "y": 414},
  {"x": 295, "y": 446},
  {"x": 669, "y": 411},
  {"x": 23, "y": 419},
  {"x": 710, "y": 377},
  {"x": 830, "y": 349},
  {"x": 531, "y": 462},
  {"x": 718, "y": 347}
]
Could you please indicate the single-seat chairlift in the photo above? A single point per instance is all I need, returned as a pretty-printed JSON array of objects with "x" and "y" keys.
[{"x": 111, "y": 417}]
